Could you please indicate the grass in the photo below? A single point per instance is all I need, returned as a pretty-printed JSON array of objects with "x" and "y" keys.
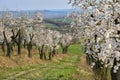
[
  {"x": 4, "y": 72},
  {"x": 67, "y": 20},
  {"x": 73, "y": 49},
  {"x": 48, "y": 25},
  {"x": 69, "y": 67}
]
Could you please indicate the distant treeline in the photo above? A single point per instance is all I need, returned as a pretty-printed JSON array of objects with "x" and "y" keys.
[{"x": 47, "y": 14}]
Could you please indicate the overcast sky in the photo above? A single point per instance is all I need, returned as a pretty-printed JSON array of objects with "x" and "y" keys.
[{"x": 34, "y": 4}]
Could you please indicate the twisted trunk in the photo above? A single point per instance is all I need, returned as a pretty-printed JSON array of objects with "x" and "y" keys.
[{"x": 8, "y": 44}]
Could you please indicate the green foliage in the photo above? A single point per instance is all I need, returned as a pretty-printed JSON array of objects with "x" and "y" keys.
[
  {"x": 67, "y": 20},
  {"x": 48, "y": 25}
]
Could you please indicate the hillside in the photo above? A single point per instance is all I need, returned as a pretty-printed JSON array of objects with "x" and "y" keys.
[{"x": 47, "y": 14}]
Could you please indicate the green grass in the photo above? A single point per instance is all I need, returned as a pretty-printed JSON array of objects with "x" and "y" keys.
[
  {"x": 61, "y": 70},
  {"x": 4, "y": 72},
  {"x": 67, "y": 20},
  {"x": 73, "y": 49},
  {"x": 48, "y": 25}
]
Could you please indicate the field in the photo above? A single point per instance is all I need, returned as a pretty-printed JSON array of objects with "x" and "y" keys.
[{"x": 70, "y": 66}]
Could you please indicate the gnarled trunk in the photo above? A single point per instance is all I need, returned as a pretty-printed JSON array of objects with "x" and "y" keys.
[{"x": 8, "y": 44}]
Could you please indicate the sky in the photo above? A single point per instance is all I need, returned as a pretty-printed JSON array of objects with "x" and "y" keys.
[{"x": 34, "y": 4}]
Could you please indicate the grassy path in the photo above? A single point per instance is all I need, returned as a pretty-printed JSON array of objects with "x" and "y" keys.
[
  {"x": 72, "y": 67},
  {"x": 61, "y": 70}
]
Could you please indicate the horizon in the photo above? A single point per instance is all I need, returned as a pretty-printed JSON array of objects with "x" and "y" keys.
[
  {"x": 24, "y": 5},
  {"x": 40, "y": 10}
]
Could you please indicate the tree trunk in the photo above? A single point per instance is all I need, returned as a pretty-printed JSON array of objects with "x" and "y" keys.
[
  {"x": 88, "y": 59},
  {"x": 18, "y": 40},
  {"x": 29, "y": 52},
  {"x": 44, "y": 56},
  {"x": 19, "y": 48},
  {"x": 115, "y": 76},
  {"x": 39, "y": 51},
  {"x": 24, "y": 44},
  {"x": 104, "y": 74},
  {"x": 100, "y": 72},
  {"x": 3, "y": 47},
  {"x": 8, "y": 50},
  {"x": 8, "y": 44},
  {"x": 19, "y": 43},
  {"x": 29, "y": 49},
  {"x": 41, "y": 54},
  {"x": 30, "y": 45},
  {"x": 50, "y": 54},
  {"x": 53, "y": 52},
  {"x": 65, "y": 49}
]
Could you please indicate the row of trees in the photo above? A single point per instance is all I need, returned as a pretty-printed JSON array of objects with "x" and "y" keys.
[
  {"x": 99, "y": 30},
  {"x": 27, "y": 32}
]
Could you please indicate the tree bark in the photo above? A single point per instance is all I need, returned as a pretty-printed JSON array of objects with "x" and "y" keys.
[
  {"x": 41, "y": 54},
  {"x": 65, "y": 49},
  {"x": 19, "y": 42},
  {"x": 24, "y": 44},
  {"x": 3, "y": 47},
  {"x": 53, "y": 51},
  {"x": 115, "y": 76},
  {"x": 29, "y": 49},
  {"x": 39, "y": 51},
  {"x": 30, "y": 45},
  {"x": 8, "y": 50},
  {"x": 50, "y": 54},
  {"x": 8, "y": 44},
  {"x": 19, "y": 49},
  {"x": 44, "y": 56}
]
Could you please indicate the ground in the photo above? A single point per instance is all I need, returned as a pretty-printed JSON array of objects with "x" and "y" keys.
[{"x": 69, "y": 66}]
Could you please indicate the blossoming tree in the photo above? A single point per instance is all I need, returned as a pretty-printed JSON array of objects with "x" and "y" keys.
[{"x": 100, "y": 22}]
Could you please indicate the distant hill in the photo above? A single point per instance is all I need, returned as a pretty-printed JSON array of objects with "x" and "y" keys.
[
  {"x": 55, "y": 13},
  {"x": 47, "y": 14}
]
